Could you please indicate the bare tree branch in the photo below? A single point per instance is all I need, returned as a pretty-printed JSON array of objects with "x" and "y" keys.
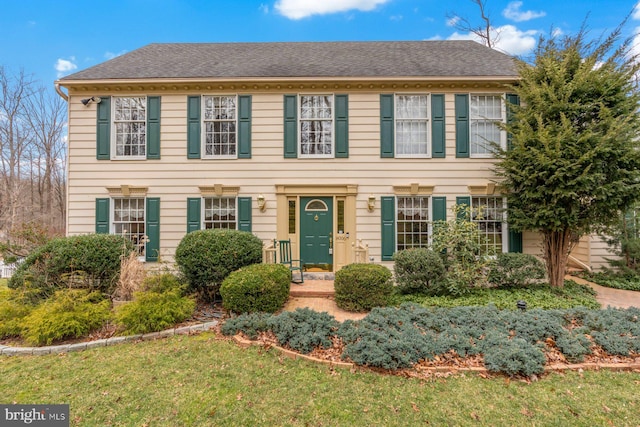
[{"x": 484, "y": 31}]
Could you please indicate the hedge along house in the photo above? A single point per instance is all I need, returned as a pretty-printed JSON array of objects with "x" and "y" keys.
[{"x": 337, "y": 146}]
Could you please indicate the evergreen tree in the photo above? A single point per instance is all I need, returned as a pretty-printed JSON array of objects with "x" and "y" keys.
[{"x": 573, "y": 161}]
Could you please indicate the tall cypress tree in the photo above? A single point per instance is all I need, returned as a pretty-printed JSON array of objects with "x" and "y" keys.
[{"x": 573, "y": 161}]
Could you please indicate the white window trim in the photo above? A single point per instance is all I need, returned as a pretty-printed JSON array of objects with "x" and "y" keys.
[
  {"x": 503, "y": 133},
  {"x": 112, "y": 225},
  {"x": 428, "y": 155},
  {"x": 203, "y": 133},
  {"x": 505, "y": 226},
  {"x": 112, "y": 135},
  {"x": 429, "y": 220},
  {"x": 203, "y": 208},
  {"x": 333, "y": 128}
]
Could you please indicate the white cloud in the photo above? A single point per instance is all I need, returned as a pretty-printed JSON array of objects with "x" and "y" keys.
[
  {"x": 65, "y": 66},
  {"x": 111, "y": 55},
  {"x": 298, "y": 9},
  {"x": 509, "y": 39},
  {"x": 451, "y": 22},
  {"x": 636, "y": 12},
  {"x": 635, "y": 45},
  {"x": 264, "y": 8},
  {"x": 514, "y": 13},
  {"x": 395, "y": 18}
]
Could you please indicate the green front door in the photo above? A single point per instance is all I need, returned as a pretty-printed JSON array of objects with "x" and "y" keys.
[{"x": 316, "y": 225}]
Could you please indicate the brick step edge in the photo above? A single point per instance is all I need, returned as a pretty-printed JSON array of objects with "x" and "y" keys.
[
  {"x": 559, "y": 367},
  {"x": 311, "y": 294},
  {"x": 6, "y": 350}
]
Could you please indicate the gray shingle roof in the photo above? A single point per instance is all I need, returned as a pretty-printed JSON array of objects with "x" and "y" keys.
[{"x": 304, "y": 59}]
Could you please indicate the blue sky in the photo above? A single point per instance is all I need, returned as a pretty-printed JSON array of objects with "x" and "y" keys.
[{"x": 48, "y": 39}]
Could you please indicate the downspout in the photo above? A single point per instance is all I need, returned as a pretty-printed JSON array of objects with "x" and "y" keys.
[
  {"x": 66, "y": 98},
  {"x": 60, "y": 92}
]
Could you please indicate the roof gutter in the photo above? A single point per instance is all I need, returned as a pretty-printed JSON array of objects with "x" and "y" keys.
[{"x": 60, "y": 92}]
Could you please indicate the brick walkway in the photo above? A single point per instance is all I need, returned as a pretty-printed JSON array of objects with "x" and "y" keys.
[{"x": 618, "y": 298}]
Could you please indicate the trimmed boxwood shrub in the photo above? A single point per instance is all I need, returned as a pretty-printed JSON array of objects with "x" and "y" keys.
[
  {"x": 418, "y": 270},
  {"x": 69, "y": 313},
  {"x": 153, "y": 311},
  {"x": 515, "y": 270},
  {"x": 258, "y": 287},
  {"x": 89, "y": 261},
  {"x": 361, "y": 287},
  {"x": 207, "y": 257}
]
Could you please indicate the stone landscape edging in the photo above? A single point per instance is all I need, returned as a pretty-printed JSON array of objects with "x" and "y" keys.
[
  {"x": 556, "y": 367},
  {"x": 6, "y": 350}
]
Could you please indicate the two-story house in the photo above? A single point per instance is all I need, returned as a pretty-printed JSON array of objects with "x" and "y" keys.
[{"x": 333, "y": 145}]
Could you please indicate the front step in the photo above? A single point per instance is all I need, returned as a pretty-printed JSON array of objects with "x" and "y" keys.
[{"x": 312, "y": 288}]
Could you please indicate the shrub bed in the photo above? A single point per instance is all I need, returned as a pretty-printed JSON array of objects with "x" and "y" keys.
[
  {"x": 610, "y": 279},
  {"x": 258, "y": 287},
  {"x": 515, "y": 270},
  {"x": 512, "y": 342},
  {"x": 418, "y": 270},
  {"x": 360, "y": 287},
  {"x": 153, "y": 311},
  {"x": 207, "y": 257},
  {"x": 12, "y": 313},
  {"x": 90, "y": 262},
  {"x": 536, "y": 296},
  {"x": 69, "y": 313}
]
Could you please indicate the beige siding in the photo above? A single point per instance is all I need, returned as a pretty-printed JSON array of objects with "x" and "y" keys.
[
  {"x": 600, "y": 252},
  {"x": 174, "y": 178}
]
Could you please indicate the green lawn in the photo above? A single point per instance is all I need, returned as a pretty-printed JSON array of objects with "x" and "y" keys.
[
  {"x": 202, "y": 381},
  {"x": 3, "y": 283}
]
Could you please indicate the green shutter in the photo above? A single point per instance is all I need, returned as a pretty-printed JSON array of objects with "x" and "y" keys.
[
  {"x": 437, "y": 127},
  {"x": 244, "y": 214},
  {"x": 193, "y": 213},
  {"x": 153, "y": 127},
  {"x": 193, "y": 127},
  {"x": 244, "y": 127},
  {"x": 103, "y": 129},
  {"x": 388, "y": 213},
  {"x": 152, "y": 229},
  {"x": 290, "y": 126},
  {"x": 439, "y": 208},
  {"x": 386, "y": 126},
  {"x": 512, "y": 99},
  {"x": 342, "y": 126},
  {"x": 462, "y": 125},
  {"x": 102, "y": 216},
  {"x": 515, "y": 241},
  {"x": 463, "y": 200}
]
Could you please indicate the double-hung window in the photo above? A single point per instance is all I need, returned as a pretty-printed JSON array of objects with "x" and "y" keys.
[
  {"x": 128, "y": 220},
  {"x": 412, "y": 222},
  {"x": 485, "y": 112},
  {"x": 316, "y": 126},
  {"x": 220, "y": 126},
  {"x": 412, "y": 126},
  {"x": 220, "y": 212},
  {"x": 130, "y": 127},
  {"x": 490, "y": 215}
]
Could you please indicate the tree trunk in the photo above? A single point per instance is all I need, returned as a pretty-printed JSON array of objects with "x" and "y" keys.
[{"x": 556, "y": 246}]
